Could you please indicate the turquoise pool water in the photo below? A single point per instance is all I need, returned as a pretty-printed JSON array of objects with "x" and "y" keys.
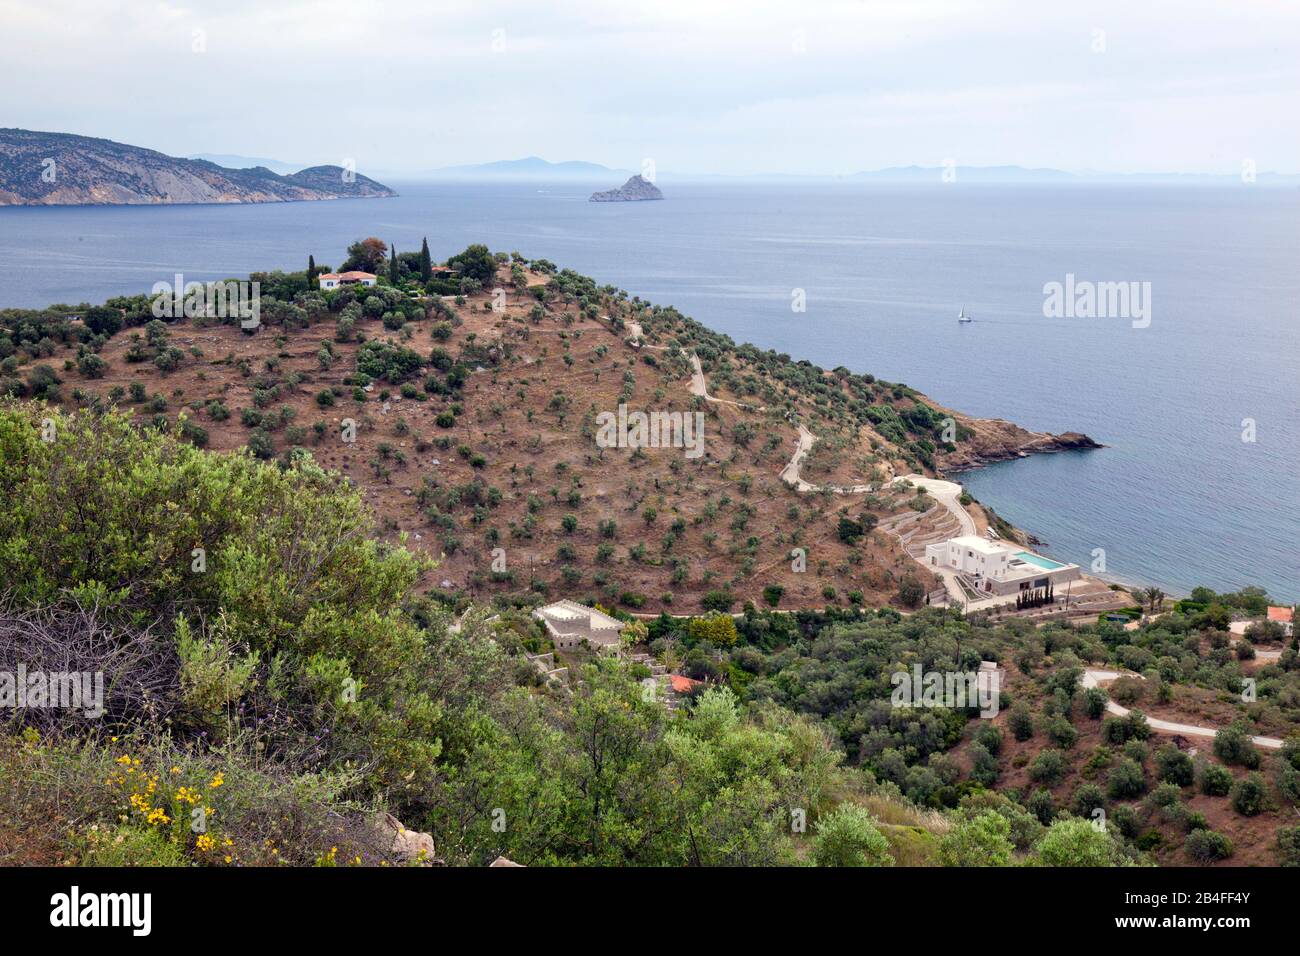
[{"x": 1047, "y": 564}]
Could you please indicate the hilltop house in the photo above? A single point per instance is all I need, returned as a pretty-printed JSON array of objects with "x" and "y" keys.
[
  {"x": 997, "y": 567},
  {"x": 1283, "y": 616},
  {"x": 333, "y": 280},
  {"x": 571, "y": 624}
]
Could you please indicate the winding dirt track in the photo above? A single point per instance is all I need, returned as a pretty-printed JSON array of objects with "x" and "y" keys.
[{"x": 1091, "y": 678}]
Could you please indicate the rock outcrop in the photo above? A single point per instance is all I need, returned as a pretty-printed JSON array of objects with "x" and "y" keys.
[
  {"x": 58, "y": 169},
  {"x": 986, "y": 440},
  {"x": 408, "y": 846},
  {"x": 636, "y": 189}
]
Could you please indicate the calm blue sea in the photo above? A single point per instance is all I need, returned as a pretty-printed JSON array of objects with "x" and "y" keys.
[{"x": 1176, "y": 499}]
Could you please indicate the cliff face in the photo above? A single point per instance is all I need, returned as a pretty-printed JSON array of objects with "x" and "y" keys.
[
  {"x": 636, "y": 189},
  {"x": 995, "y": 439},
  {"x": 49, "y": 169}
]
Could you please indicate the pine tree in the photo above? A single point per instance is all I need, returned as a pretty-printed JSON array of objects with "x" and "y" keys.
[{"x": 426, "y": 264}]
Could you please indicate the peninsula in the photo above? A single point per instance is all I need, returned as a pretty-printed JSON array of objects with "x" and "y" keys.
[{"x": 62, "y": 169}]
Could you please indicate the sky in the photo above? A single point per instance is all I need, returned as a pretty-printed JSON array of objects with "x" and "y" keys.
[{"x": 814, "y": 86}]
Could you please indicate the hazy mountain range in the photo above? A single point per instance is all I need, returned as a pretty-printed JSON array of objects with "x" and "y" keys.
[
  {"x": 61, "y": 168},
  {"x": 58, "y": 169},
  {"x": 536, "y": 168}
]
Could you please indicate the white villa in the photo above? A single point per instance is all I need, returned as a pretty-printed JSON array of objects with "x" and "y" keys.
[
  {"x": 571, "y": 624},
  {"x": 332, "y": 280},
  {"x": 998, "y": 567}
]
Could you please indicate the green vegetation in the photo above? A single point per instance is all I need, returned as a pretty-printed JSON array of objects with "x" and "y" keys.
[{"x": 265, "y": 637}]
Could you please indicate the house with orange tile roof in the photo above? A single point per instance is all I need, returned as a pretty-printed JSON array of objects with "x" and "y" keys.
[
  {"x": 1284, "y": 616},
  {"x": 333, "y": 280}
]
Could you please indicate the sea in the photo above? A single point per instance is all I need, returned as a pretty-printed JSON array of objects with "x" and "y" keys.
[{"x": 1194, "y": 389}]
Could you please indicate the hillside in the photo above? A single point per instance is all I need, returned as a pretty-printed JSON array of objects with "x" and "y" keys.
[
  {"x": 330, "y": 631},
  {"x": 476, "y": 434},
  {"x": 53, "y": 169}
]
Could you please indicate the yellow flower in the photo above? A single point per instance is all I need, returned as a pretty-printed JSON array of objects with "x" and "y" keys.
[
  {"x": 204, "y": 843},
  {"x": 216, "y": 781},
  {"x": 157, "y": 816}
]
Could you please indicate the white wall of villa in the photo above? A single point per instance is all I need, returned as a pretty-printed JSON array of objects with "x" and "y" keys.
[
  {"x": 996, "y": 567},
  {"x": 334, "y": 280}
]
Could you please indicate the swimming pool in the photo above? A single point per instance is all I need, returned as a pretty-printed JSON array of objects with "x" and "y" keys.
[{"x": 1045, "y": 563}]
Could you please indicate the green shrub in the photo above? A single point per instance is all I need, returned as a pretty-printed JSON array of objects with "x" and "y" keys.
[
  {"x": 1216, "y": 781},
  {"x": 1049, "y": 767},
  {"x": 1288, "y": 846},
  {"x": 983, "y": 840},
  {"x": 1021, "y": 722},
  {"x": 1207, "y": 846},
  {"x": 1087, "y": 799},
  {"x": 1250, "y": 795},
  {"x": 1126, "y": 780},
  {"x": 1233, "y": 745},
  {"x": 847, "y": 836},
  {"x": 1175, "y": 766},
  {"x": 128, "y": 845},
  {"x": 1074, "y": 842}
]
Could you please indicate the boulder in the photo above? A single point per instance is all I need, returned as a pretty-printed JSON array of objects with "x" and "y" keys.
[{"x": 409, "y": 846}]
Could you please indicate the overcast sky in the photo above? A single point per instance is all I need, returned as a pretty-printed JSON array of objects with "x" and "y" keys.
[{"x": 816, "y": 86}]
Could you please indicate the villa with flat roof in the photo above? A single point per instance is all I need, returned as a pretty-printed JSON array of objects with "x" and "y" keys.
[
  {"x": 570, "y": 624},
  {"x": 998, "y": 567}
]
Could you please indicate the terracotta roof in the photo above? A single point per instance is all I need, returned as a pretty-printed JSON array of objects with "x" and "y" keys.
[
  {"x": 683, "y": 684},
  {"x": 1283, "y": 615},
  {"x": 347, "y": 275}
]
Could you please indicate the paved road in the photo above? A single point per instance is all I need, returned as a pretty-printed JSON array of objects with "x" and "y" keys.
[{"x": 1092, "y": 677}]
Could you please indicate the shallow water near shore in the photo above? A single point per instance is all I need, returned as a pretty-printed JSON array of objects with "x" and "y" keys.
[{"x": 1177, "y": 498}]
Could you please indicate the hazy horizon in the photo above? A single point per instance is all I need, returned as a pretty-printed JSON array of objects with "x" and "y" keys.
[{"x": 833, "y": 88}]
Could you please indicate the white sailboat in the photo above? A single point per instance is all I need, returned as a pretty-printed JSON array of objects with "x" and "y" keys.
[{"x": 963, "y": 317}]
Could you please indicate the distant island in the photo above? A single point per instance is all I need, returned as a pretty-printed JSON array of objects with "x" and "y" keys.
[
  {"x": 636, "y": 189},
  {"x": 63, "y": 169},
  {"x": 236, "y": 161}
]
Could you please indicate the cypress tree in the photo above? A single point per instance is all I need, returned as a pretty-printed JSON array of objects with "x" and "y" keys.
[
  {"x": 392, "y": 265},
  {"x": 311, "y": 271},
  {"x": 426, "y": 264}
]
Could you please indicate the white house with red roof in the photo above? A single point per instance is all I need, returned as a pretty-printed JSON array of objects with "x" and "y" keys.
[{"x": 333, "y": 280}]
